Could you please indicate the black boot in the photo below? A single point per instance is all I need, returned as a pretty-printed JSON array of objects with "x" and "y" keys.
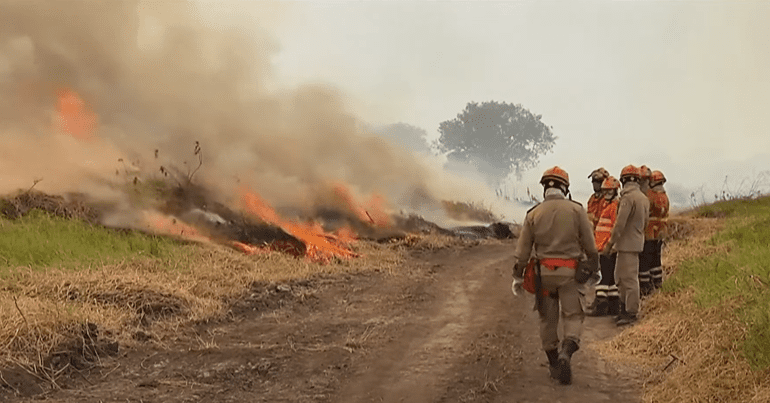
[
  {"x": 621, "y": 311},
  {"x": 626, "y": 319},
  {"x": 600, "y": 309},
  {"x": 568, "y": 347},
  {"x": 553, "y": 362},
  {"x": 646, "y": 289},
  {"x": 613, "y": 307}
]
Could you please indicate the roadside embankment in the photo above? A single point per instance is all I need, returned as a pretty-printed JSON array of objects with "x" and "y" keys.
[{"x": 706, "y": 335}]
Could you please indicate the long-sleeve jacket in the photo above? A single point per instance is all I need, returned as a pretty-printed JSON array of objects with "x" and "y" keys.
[
  {"x": 659, "y": 206},
  {"x": 556, "y": 228},
  {"x": 606, "y": 222},
  {"x": 633, "y": 214},
  {"x": 594, "y": 207}
]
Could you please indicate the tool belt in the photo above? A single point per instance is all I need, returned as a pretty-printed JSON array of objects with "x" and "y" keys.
[{"x": 552, "y": 263}]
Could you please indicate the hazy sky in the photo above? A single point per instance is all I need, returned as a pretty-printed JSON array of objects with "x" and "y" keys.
[{"x": 679, "y": 86}]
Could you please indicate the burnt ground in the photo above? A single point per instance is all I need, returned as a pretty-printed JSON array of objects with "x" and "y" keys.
[{"x": 445, "y": 328}]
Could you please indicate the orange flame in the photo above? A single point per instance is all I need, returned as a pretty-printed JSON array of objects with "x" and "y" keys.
[
  {"x": 249, "y": 249},
  {"x": 167, "y": 225},
  {"x": 74, "y": 117},
  {"x": 374, "y": 213},
  {"x": 376, "y": 210},
  {"x": 346, "y": 236},
  {"x": 320, "y": 246}
]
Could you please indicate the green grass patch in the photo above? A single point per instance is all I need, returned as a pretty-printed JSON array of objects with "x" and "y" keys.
[
  {"x": 726, "y": 208},
  {"x": 40, "y": 240},
  {"x": 741, "y": 275}
]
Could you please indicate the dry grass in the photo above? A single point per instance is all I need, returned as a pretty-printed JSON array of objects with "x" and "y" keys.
[
  {"x": 19, "y": 204},
  {"x": 431, "y": 241},
  {"x": 469, "y": 212},
  {"x": 690, "y": 353},
  {"x": 688, "y": 239},
  {"x": 689, "y": 358},
  {"x": 41, "y": 310}
]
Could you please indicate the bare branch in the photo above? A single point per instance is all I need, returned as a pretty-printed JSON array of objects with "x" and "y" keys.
[{"x": 34, "y": 183}]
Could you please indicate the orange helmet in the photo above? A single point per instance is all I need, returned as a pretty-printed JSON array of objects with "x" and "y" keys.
[
  {"x": 610, "y": 183},
  {"x": 645, "y": 172},
  {"x": 657, "y": 178},
  {"x": 599, "y": 174},
  {"x": 630, "y": 170},
  {"x": 556, "y": 174}
]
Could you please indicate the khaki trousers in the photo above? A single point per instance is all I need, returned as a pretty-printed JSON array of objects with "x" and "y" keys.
[
  {"x": 567, "y": 306},
  {"x": 627, "y": 278}
]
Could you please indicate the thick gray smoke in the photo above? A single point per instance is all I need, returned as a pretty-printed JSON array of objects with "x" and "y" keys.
[{"x": 161, "y": 76}]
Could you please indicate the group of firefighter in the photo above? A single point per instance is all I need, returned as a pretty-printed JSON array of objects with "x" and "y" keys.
[
  {"x": 609, "y": 252},
  {"x": 602, "y": 211}
]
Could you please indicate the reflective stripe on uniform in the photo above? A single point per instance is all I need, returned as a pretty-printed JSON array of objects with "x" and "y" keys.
[
  {"x": 601, "y": 290},
  {"x": 604, "y": 227},
  {"x": 656, "y": 272}
]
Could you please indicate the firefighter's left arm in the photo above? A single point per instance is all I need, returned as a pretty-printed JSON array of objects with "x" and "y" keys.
[
  {"x": 588, "y": 243},
  {"x": 649, "y": 210},
  {"x": 523, "y": 249},
  {"x": 621, "y": 219}
]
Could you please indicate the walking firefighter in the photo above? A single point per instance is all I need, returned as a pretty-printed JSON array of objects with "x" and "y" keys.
[
  {"x": 627, "y": 238},
  {"x": 607, "y": 298},
  {"x": 554, "y": 237},
  {"x": 656, "y": 228}
]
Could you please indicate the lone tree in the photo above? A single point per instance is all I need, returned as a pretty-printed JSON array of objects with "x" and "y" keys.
[{"x": 497, "y": 138}]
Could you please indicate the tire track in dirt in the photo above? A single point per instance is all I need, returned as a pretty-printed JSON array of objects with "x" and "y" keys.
[{"x": 417, "y": 367}]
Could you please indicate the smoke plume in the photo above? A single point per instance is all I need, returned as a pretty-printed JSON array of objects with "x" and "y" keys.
[{"x": 159, "y": 77}]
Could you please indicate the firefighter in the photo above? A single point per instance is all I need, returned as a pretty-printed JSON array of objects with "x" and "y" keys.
[
  {"x": 596, "y": 201},
  {"x": 627, "y": 239},
  {"x": 607, "y": 302},
  {"x": 656, "y": 228},
  {"x": 557, "y": 233},
  {"x": 594, "y": 208},
  {"x": 645, "y": 258}
]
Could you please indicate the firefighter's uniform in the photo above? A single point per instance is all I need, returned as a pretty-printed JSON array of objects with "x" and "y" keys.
[
  {"x": 596, "y": 202},
  {"x": 627, "y": 239},
  {"x": 607, "y": 301},
  {"x": 648, "y": 250},
  {"x": 656, "y": 228},
  {"x": 594, "y": 208},
  {"x": 558, "y": 233}
]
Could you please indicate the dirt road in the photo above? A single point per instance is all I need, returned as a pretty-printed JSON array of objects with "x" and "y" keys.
[{"x": 445, "y": 328}]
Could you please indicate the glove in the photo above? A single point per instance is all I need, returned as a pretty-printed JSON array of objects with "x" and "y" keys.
[
  {"x": 583, "y": 272},
  {"x": 517, "y": 272},
  {"x": 517, "y": 286}
]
